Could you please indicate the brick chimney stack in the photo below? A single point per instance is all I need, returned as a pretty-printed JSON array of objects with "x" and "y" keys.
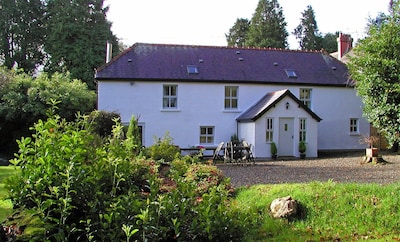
[{"x": 345, "y": 44}]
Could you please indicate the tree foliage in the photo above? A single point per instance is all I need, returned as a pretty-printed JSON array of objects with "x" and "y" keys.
[
  {"x": 268, "y": 26},
  {"x": 376, "y": 71},
  {"x": 329, "y": 42},
  {"x": 24, "y": 100},
  {"x": 77, "y": 33},
  {"x": 237, "y": 35},
  {"x": 307, "y": 31},
  {"x": 22, "y": 33}
]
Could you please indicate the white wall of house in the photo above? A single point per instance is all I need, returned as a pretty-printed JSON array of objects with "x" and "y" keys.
[{"x": 202, "y": 104}]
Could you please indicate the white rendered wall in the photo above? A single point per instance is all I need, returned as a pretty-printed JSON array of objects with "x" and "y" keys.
[{"x": 202, "y": 104}]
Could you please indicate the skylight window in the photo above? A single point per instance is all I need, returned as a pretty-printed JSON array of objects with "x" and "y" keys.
[
  {"x": 291, "y": 73},
  {"x": 192, "y": 69}
]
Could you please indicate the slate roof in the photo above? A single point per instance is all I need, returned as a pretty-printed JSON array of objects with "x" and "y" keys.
[
  {"x": 224, "y": 64},
  {"x": 269, "y": 101}
]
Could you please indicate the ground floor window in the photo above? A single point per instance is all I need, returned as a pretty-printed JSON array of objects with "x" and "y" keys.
[
  {"x": 206, "y": 135},
  {"x": 269, "y": 130},
  {"x": 303, "y": 130}
]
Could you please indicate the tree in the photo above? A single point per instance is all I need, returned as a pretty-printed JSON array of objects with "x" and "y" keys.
[
  {"x": 24, "y": 100},
  {"x": 77, "y": 33},
  {"x": 237, "y": 35},
  {"x": 329, "y": 42},
  {"x": 307, "y": 31},
  {"x": 268, "y": 26},
  {"x": 376, "y": 70},
  {"x": 22, "y": 34}
]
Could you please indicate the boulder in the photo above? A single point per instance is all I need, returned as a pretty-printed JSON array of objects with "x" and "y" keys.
[{"x": 284, "y": 207}]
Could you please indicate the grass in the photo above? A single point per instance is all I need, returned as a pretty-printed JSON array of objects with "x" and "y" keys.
[{"x": 333, "y": 211}]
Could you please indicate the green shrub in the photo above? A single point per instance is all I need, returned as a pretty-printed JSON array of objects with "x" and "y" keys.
[
  {"x": 75, "y": 189},
  {"x": 102, "y": 122},
  {"x": 163, "y": 149}
]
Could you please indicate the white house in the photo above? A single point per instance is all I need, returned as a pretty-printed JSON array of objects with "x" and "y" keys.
[{"x": 203, "y": 95}]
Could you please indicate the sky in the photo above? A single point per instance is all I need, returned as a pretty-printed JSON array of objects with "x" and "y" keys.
[{"x": 205, "y": 22}]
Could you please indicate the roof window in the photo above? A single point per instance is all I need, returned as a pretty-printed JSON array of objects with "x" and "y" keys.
[
  {"x": 291, "y": 73},
  {"x": 192, "y": 69}
]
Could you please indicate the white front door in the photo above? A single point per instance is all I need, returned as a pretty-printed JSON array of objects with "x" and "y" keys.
[{"x": 286, "y": 132}]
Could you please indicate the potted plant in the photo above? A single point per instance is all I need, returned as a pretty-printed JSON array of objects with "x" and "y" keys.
[
  {"x": 274, "y": 151},
  {"x": 302, "y": 149},
  {"x": 371, "y": 151}
]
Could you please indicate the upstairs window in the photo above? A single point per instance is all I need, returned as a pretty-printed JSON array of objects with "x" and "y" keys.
[
  {"x": 305, "y": 96},
  {"x": 170, "y": 98},
  {"x": 291, "y": 73},
  {"x": 231, "y": 97},
  {"x": 192, "y": 69}
]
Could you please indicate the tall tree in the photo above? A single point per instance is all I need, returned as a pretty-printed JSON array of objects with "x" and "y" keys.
[
  {"x": 268, "y": 26},
  {"x": 237, "y": 35},
  {"x": 307, "y": 31},
  {"x": 77, "y": 32},
  {"x": 376, "y": 72},
  {"x": 22, "y": 33}
]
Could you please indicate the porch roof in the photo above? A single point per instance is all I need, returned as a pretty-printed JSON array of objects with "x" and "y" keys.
[{"x": 267, "y": 102}]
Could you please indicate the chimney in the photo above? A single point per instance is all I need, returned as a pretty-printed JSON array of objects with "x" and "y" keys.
[
  {"x": 345, "y": 44},
  {"x": 108, "y": 52}
]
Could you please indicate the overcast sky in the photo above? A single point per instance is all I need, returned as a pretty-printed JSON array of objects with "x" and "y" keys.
[{"x": 206, "y": 22}]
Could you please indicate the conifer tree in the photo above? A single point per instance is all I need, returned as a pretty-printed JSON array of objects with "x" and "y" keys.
[
  {"x": 268, "y": 26},
  {"x": 237, "y": 35},
  {"x": 307, "y": 31}
]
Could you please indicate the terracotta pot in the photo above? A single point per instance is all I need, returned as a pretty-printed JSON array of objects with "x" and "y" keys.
[{"x": 371, "y": 152}]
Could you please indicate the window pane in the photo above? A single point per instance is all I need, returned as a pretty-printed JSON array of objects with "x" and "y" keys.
[{"x": 234, "y": 103}]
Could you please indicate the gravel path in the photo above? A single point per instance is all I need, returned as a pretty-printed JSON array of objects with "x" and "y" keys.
[{"x": 346, "y": 168}]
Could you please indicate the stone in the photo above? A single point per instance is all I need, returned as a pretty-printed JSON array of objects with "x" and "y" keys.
[{"x": 284, "y": 207}]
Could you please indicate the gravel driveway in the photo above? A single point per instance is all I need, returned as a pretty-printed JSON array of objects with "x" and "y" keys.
[{"x": 344, "y": 168}]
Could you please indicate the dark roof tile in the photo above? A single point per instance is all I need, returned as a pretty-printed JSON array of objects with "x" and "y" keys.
[{"x": 228, "y": 64}]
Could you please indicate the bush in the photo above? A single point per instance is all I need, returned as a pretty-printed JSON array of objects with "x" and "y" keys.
[
  {"x": 71, "y": 188},
  {"x": 163, "y": 149},
  {"x": 103, "y": 122}
]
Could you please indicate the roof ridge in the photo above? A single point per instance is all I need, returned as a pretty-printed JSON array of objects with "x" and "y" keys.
[{"x": 230, "y": 47}]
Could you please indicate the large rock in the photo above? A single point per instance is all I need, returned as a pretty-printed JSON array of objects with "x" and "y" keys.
[{"x": 284, "y": 207}]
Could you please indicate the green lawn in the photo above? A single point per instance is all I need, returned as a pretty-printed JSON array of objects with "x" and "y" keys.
[{"x": 332, "y": 211}]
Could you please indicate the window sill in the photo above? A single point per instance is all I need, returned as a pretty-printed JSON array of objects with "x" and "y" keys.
[
  {"x": 231, "y": 111},
  {"x": 170, "y": 110},
  {"x": 354, "y": 134}
]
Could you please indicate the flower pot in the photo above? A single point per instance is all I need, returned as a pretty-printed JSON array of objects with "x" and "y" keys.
[
  {"x": 371, "y": 152},
  {"x": 302, "y": 155}
]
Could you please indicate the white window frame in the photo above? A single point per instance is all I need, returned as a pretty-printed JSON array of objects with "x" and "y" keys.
[
  {"x": 354, "y": 126},
  {"x": 269, "y": 130},
  {"x": 207, "y": 137},
  {"x": 303, "y": 129},
  {"x": 170, "y": 101},
  {"x": 305, "y": 95},
  {"x": 231, "y": 101}
]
